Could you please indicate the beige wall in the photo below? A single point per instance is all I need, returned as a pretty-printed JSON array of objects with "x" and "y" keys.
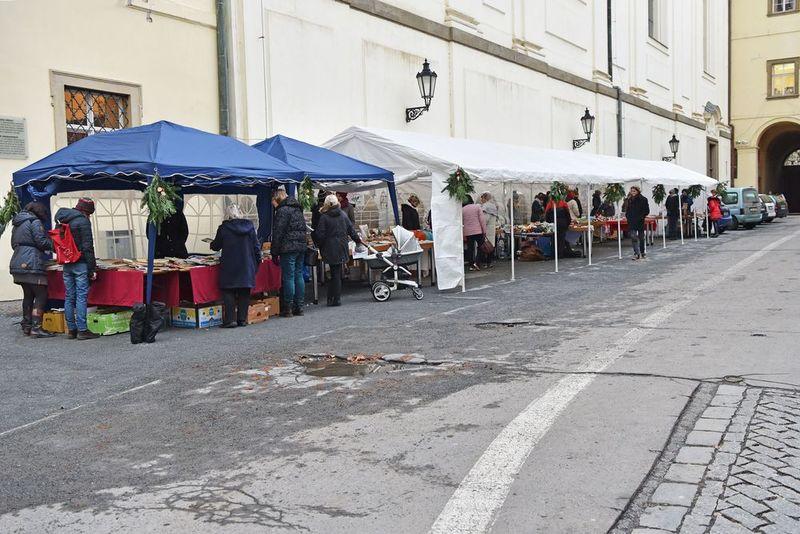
[
  {"x": 172, "y": 59},
  {"x": 757, "y": 38}
]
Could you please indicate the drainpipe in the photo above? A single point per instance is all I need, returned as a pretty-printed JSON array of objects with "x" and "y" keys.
[
  {"x": 734, "y": 151},
  {"x": 222, "y": 65},
  {"x": 619, "y": 121},
  {"x": 611, "y": 74}
]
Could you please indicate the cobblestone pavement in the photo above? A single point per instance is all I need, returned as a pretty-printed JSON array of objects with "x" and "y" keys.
[{"x": 738, "y": 470}]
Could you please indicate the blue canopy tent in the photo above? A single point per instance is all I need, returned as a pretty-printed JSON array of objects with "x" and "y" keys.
[
  {"x": 326, "y": 166},
  {"x": 197, "y": 161}
]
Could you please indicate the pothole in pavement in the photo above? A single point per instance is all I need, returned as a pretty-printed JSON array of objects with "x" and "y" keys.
[
  {"x": 359, "y": 365},
  {"x": 511, "y": 323}
]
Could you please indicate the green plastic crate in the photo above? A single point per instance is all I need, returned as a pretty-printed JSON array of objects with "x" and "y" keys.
[{"x": 109, "y": 323}]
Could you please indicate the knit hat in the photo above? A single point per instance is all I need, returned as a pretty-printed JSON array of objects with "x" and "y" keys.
[{"x": 86, "y": 205}]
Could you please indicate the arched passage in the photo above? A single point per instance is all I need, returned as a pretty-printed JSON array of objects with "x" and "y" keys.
[{"x": 775, "y": 146}]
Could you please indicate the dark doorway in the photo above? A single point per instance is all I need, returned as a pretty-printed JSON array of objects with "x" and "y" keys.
[
  {"x": 775, "y": 147},
  {"x": 712, "y": 158}
]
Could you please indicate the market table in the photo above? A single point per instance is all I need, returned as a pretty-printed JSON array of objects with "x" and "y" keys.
[
  {"x": 650, "y": 227},
  {"x": 123, "y": 287},
  {"x": 199, "y": 284}
]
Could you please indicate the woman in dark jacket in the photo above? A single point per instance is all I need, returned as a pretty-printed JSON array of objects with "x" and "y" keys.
[
  {"x": 171, "y": 239},
  {"x": 30, "y": 243},
  {"x": 241, "y": 256},
  {"x": 333, "y": 234},
  {"x": 637, "y": 209},
  {"x": 410, "y": 213},
  {"x": 289, "y": 243}
]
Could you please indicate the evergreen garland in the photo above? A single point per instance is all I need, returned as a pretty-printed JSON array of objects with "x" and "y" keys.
[
  {"x": 721, "y": 189},
  {"x": 306, "y": 194},
  {"x": 10, "y": 208},
  {"x": 159, "y": 198},
  {"x": 558, "y": 191},
  {"x": 459, "y": 185},
  {"x": 694, "y": 191},
  {"x": 659, "y": 194},
  {"x": 614, "y": 193}
]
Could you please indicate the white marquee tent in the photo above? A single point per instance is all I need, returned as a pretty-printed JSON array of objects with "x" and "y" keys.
[{"x": 413, "y": 155}]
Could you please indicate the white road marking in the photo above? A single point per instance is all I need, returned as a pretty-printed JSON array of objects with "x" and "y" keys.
[
  {"x": 78, "y": 407},
  {"x": 456, "y": 310},
  {"x": 474, "y": 505}
]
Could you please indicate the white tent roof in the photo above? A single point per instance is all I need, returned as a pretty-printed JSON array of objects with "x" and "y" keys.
[{"x": 411, "y": 155}]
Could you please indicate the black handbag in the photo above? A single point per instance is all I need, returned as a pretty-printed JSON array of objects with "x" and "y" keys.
[{"x": 312, "y": 256}]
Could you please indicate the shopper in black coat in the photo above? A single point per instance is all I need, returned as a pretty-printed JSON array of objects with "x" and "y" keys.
[
  {"x": 241, "y": 257},
  {"x": 289, "y": 242},
  {"x": 30, "y": 242},
  {"x": 410, "y": 213},
  {"x": 172, "y": 236},
  {"x": 638, "y": 209},
  {"x": 333, "y": 233},
  {"x": 673, "y": 213}
]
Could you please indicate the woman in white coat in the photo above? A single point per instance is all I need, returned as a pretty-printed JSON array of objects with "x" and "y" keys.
[{"x": 490, "y": 214}]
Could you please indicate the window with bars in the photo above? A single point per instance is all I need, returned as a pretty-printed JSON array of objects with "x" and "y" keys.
[
  {"x": 782, "y": 78},
  {"x": 793, "y": 160},
  {"x": 88, "y": 112},
  {"x": 778, "y": 7}
]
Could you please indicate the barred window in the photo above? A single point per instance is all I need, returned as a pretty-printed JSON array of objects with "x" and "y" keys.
[
  {"x": 783, "y": 6},
  {"x": 88, "y": 112}
]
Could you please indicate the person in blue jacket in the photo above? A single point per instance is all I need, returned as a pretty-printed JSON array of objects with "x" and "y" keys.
[{"x": 241, "y": 256}]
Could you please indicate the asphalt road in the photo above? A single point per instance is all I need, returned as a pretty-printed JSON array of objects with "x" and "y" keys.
[{"x": 550, "y": 425}]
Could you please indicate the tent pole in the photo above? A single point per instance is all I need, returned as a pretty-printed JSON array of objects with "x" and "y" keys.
[
  {"x": 680, "y": 215},
  {"x": 555, "y": 231},
  {"x": 151, "y": 253},
  {"x": 619, "y": 229},
  {"x": 708, "y": 221},
  {"x": 513, "y": 264},
  {"x": 663, "y": 229},
  {"x": 694, "y": 218},
  {"x": 641, "y": 186},
  {"x": 393, "y": 197},
  {"x": 589, "y": 227}
]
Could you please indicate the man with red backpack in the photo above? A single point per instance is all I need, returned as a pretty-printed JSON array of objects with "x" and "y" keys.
[{"x": 79, "y": 268}]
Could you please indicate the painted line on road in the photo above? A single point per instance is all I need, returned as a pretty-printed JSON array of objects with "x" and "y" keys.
[
  {"x": 474, "y": 505},
  {"x": 456, "y": 310},
  {"x": 75, "y": 408}
]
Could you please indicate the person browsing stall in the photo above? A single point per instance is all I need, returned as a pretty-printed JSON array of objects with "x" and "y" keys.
[
  {"x": 333, "y": 234},
  {"x": 638, "y": 210},
  {"x": 474, "y": 231},
  {"x": 77, "y": 275},
  {"x": 410, "y": 214},
  {"x": 289, "y": 237},
  {"x": 239, "y": 262},
  {"x": 31, "y": 243}
]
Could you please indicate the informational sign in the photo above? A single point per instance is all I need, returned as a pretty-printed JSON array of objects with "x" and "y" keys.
[{"x": 13, "y": 138}]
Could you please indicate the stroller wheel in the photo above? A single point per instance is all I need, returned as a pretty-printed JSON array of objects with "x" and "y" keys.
[
  {"x": 417, "y": 293},
  {"x": 381, "y": 291}
]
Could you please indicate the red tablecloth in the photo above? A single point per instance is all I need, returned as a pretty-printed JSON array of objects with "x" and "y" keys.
[
  {"x": 120, "y": 288},
  {"x": 650, "y": 223},
  {"x": 199, "y": 285}
]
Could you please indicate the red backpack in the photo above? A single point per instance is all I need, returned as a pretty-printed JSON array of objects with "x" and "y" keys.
[{"x": 64, "y": 244}]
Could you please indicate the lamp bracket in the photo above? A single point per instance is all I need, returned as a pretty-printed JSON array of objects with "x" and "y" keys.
[
  {"x": 414, "y": 113},
  {"x": 577, "y": 143},
  {"x": 668, "y": 158}
]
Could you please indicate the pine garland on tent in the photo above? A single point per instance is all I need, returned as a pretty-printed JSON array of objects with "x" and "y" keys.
[
  {"x": 659, "y": 194},
  {"x": 694, "y": 191},
  {"x": 10, "y": 208},
  {"x": 159, "y": 198},
  {"x": 459, "y": 185},
  {"x": 721, "y": 189},
  {"x": 614, "y": 193},
  {"x": 558, "y": 190},
  {"x": 306, "y": 194}
]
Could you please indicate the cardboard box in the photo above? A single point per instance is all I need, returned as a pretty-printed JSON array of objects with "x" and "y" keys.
[
  {"x": 274, "y": 304},
  {"x": 197, "y": 316},
  {"x": 107, "y": 323},
  {"x": 54, "y": 321},
  {"x": 258, "y": 312}
]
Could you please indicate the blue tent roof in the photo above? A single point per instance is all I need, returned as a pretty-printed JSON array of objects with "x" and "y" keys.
[
  {"x": 124, "y": 158},
  {"x": 321, "y": 164}
]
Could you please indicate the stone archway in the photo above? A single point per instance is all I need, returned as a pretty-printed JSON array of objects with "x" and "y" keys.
[{"x": 775, "y": 146}]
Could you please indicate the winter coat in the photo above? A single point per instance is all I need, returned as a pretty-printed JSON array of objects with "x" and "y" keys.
[
  {"x": 473, "y": 219},
  {"x": 333, "y": 234},
  {"x": 638, "y": 209},
  {"x": 30, "y": 242},
  {"x": 350, "y": 211},
  {"x": 241, "y": 255},
  {"x": 574, "y": 209},
  {"x": 563, "y": 217},
  {"x": 596, "y": 203},
  {"x": 714, "y": 209},
  {"x": 81, "y": 229},
  {"x": 606, "y": 209},
  {"x": 410, "y": 217},
  {"x": 537, "y": 211},
  {"x": 288, "y": 228},
  {"x": 672, "y": 206},
  {"x": 171, "y": 239}
]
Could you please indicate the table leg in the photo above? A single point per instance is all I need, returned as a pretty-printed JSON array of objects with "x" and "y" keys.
[
  {"x": 315, "y": 281},
  {"x": 433, "y": 266},
  {"x": 419, "y": 271}
]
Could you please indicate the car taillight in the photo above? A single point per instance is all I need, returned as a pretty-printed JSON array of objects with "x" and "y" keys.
[{"x": 741, "y": 211}]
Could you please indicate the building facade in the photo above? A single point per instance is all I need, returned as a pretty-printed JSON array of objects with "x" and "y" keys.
[
  {"x": 765, "y": 66},
  {"x": 71, "y": 69},
  {"x": 514, "y": 71}
]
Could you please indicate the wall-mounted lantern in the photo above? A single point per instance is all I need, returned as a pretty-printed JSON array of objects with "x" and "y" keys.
[
  {"x": 587, "y": 123},
  {"x": 674, "y": 143},
  {"x": 426, "y": 79}
]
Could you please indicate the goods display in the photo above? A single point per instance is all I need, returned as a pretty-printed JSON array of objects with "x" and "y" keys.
[
  {"x": 108, "y": 322},
  {"x": 197, "y": 316},
  {"x": 536, "y": 228}
]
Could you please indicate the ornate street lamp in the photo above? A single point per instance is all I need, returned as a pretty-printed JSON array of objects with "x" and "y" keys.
[
  {"x": 674, "y": 143},
  {"x": 426, "y": 79},
  {"x": 587, "y": 123}
]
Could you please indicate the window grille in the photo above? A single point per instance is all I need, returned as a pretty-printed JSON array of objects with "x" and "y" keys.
[
  {"x": 793, "y": 160},
  {"x": 783, "y": 6},
  {"x": 89, "y": 112}
]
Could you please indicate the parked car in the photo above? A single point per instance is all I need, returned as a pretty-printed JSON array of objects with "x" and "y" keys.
[
  {"x": 726, "y": 221},
  {"x": 744, "y": 207},
  {"x": 781, "y": 206},
  {"x": 768, "y": 212}
]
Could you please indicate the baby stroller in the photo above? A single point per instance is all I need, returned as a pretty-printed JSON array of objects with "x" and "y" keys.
[{"x": 406, "y": 252}]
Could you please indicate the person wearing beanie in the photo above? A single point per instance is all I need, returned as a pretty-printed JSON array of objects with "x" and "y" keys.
[
  {"x": 333, "y": 233},
  {"x": 77, "y": 275}
]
